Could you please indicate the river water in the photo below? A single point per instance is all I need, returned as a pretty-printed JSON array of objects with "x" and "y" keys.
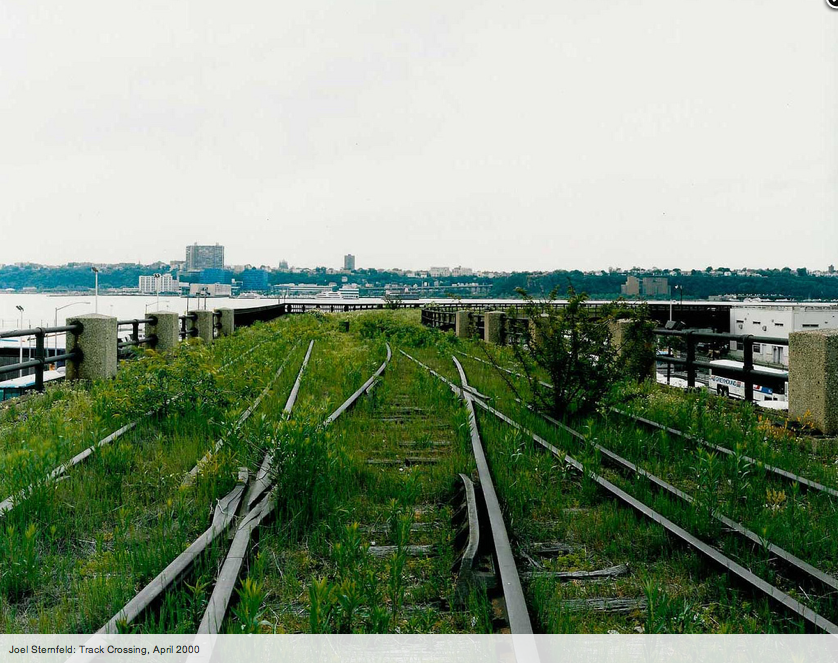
[{"x": 41, "y": 310}]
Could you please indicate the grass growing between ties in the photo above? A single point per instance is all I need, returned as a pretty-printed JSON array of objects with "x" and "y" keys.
[
  {"x": 378, "y": 559},
  {"x": 360, "y": 539},
  {"x": 119, "y": 518}
]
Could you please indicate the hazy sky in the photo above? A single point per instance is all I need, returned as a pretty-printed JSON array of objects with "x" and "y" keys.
[{"x": 497, "y": 135}]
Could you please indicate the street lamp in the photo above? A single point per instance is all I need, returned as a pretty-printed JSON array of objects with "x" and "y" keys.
[
  {"x": 55, "y": 321},
  {"x": 680, "y": 290},
  {"x": 157, "y": 287},
  {"x": 96, "y": 295},
  {"x": 20, "y": 339}
]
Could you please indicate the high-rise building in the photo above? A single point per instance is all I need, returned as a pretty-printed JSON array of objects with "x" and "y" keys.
[
  {"x": 650, "y": 286},
  {"x": 200, "y": 257},
  {"x": 631, "y": 288},
  {"x": 150, "y": 285},
  {"x": 349, "y": 262},
  {"x": 254, "y": 280}
]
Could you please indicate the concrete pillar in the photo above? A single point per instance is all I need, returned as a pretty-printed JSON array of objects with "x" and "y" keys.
[
  {"x": 97, "y": 343},
  {"x": 643, "y": 363},
  {"x": 813, "y": 378},
  {"x": 167, "y": 330},
  {"x": 228, "y": 321},
  {"x": 494, "y": 327},
  {"x": 462, "y": 324},
  {"x": 204, "y": 325}
]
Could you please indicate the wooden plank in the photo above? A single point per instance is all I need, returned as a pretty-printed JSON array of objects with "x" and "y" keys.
[
  {"x": 610, "y": 572},
  {"x": 618, "y": 605},
  {"x": 410, "y": 551}
]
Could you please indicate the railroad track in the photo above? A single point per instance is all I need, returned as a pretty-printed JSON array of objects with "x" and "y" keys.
[
  {"x": 61, "y": 470},
  {"x": 784, "y": 475},
  {"x": 515, "y": 605},
  {"x": 814, "y": 620},
  {"x": 246, "y": 507}
]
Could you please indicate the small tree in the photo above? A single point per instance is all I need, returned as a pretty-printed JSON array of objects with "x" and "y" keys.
[{"x": 572, "y": 345}]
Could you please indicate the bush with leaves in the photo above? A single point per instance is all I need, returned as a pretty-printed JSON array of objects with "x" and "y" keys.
[{"x": 572, "y": 345}]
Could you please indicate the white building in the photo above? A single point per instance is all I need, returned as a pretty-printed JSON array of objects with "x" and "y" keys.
[
  {"x": 211, "y": 289},
  {"x": 150, "y": 285},
  {"x": 350, "y": 291},
  {"x": 439, "y": 271},
  {"x": 777, "y": 321}
]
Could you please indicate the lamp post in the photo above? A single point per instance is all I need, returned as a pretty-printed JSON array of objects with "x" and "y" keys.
[
  {"x": 55, "y": 321},
  {"x": 157, "y": 287},
  {"x": 680, "y": 290},
  {"x": 20, "y": 339},
  {"x": 96, "y": 291}
]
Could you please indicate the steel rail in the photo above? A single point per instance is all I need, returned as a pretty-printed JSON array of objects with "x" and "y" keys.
[
  {"x": 251, "y": 519},
  {"x": 229, "y": 574},
  {"x": 513, "y": 592},
  {"x": 730, "y": 566},
  {"x": 790, "y": 559},
  {"x": 783, "y": 474},
  {"x": 262, "y": 481},
  {"x": 354, "y": 397},
  {"x": 224, "y": 516},
  {"x": 505, "y": 370},
  {"x": 225, "y": 512},
  {"x": 10, "y": 502},
  {"x": 225, "y": 584},
  {"x": 456, "y": 389},
  {"x": 193, "y": 473}
]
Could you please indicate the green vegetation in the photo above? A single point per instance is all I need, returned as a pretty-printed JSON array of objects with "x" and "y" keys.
[
  {"x": 360, "y": 540},
  {"x": 697, "y": 284}
]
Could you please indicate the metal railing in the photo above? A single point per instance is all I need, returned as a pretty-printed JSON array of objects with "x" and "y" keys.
[
  {"x": 41, "y": 358},
  {"x": 187, "y": 326},
  {"x": 747, "y": 374},
  {"x": 439, "y": 319},
  {"x": 514, "y": 328},
  {"x": 135, "y": 340},
  {"x": 700, "y": 316}
]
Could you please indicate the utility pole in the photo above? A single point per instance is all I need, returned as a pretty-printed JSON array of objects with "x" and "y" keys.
[
  {"x": 96, "y": 289},
  {"x": 157, "y": 287},
  {"x": 20, "y": 339}
]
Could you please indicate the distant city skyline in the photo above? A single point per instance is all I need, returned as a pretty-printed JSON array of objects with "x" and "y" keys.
[{"x": 535, "y": 137}]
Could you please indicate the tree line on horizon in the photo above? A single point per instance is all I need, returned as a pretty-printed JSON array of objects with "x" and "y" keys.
[{"x": 768, "y": 283}]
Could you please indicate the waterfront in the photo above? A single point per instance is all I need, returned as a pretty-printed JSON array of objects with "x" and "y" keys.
[{"x": 39, "y": 310}]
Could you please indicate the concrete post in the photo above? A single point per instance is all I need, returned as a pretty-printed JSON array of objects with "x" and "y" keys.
[
  {"x": 462, "y": 324},
  {"x": 167, "y": 330},
  {"x": 645, "y": 361},
  {"x": 228, "y": 321},
  {"x": 204, "y": 325},
  {"x": 97, "y": 343},
  {"x": 813, "y": 378},
  {"x": 494, "y": 327}
]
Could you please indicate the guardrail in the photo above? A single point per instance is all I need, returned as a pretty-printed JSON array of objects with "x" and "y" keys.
[
  {"x": 187, "y": 330},
  {"x": 748, "y": 372},
  {"x": 439, "y": 319},
  {"x": 41, "y": 359},
  {"x": 135, "y": 340},
  {"x": 700, "y": 316},
  {"x": 513, "y": 329}
]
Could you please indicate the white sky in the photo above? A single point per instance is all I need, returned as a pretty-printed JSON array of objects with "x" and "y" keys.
[{"x": 552, "y": 134}]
